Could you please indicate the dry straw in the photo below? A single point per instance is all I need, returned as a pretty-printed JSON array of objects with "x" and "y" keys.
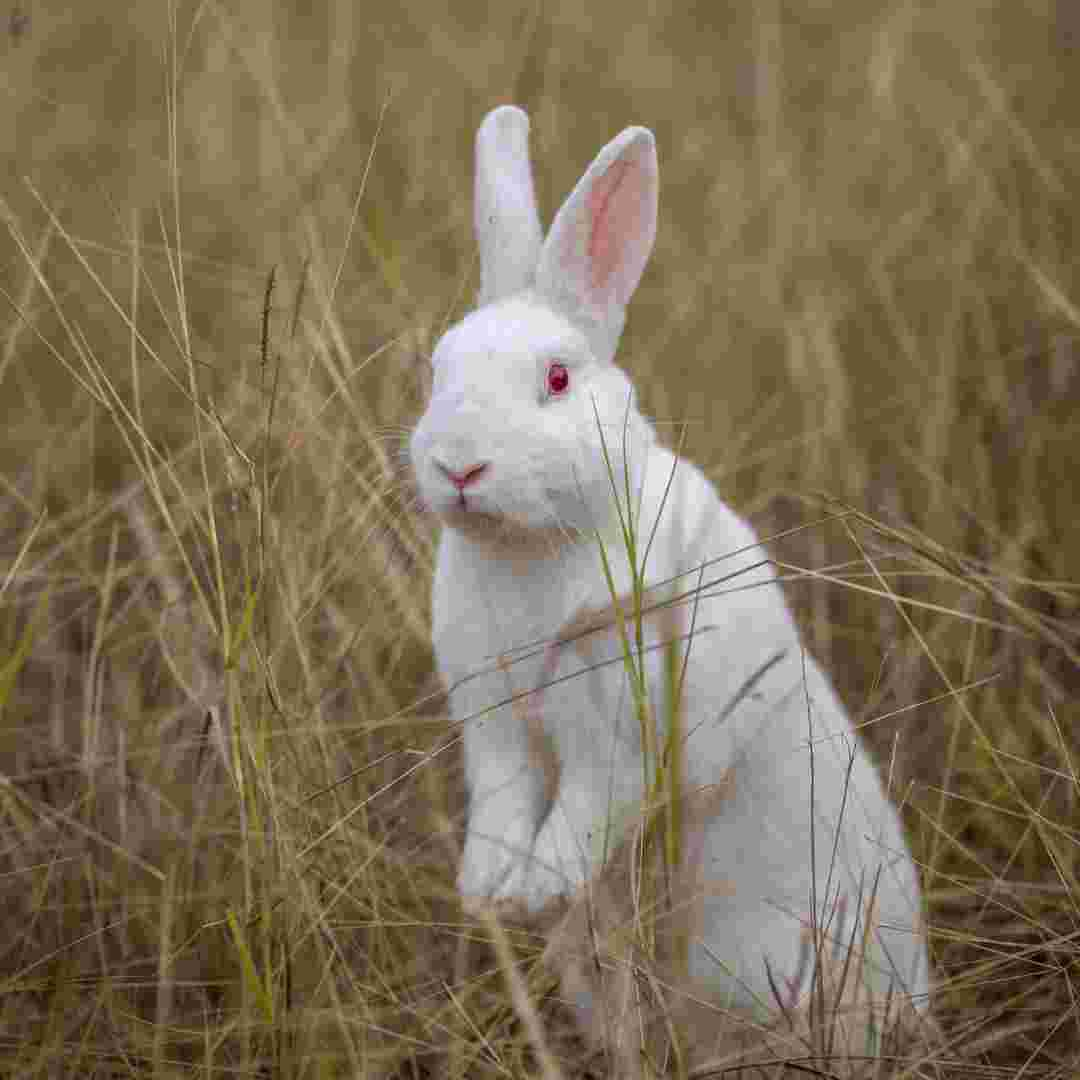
[{"x": 227, "y": 790}]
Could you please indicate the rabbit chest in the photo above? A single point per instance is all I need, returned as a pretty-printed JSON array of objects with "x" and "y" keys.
[{"x": 511, "y": 632}]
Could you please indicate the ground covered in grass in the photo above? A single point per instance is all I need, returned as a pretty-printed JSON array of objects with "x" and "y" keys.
[{"x": 229, "y": 797}]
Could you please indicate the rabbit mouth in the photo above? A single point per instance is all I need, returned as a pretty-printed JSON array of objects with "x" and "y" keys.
[
  {"x": 492, "y": 525},
  {"x": 470, "y": 514}
]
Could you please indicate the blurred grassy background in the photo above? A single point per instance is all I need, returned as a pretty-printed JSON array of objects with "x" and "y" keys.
[{"x": 213, "y": 641}]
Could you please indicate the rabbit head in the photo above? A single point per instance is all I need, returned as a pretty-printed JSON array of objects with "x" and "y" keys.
[{"x": 525, "y": 384}]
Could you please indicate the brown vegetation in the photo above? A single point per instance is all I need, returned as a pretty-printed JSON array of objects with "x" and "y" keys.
[{"x": 229, "y": 797}]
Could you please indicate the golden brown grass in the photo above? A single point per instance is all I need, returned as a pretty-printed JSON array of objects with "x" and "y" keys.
[{"x": 229, "y": 798}]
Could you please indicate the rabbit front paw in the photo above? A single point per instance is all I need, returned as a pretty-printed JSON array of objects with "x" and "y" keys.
[
  {"x": 559, "y": 866},
  {"x": 518, "y": 882},
  {"x": 492, "y": 871},
  {"x": 494, "y": 867}
]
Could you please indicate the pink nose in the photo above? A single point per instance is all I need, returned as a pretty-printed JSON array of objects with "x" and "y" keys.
[{"x": 463, "y": 478}]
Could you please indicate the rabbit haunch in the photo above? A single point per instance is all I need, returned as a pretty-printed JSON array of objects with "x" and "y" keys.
[{"x": 524, "y": 482}]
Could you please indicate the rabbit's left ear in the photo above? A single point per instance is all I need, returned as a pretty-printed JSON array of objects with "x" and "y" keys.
[
  {"x": 507, "y": 223},
  {"x": 602, "y": 236}
]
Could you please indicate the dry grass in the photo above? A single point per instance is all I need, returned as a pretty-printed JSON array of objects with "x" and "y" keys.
[{"x": 229, "y": 799}]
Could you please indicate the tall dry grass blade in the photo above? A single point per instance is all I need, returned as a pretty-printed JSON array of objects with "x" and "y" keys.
[{"x": 519, "y": 994}]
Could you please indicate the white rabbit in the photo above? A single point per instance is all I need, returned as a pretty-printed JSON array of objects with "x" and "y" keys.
[{"x": 530, "y": 440}]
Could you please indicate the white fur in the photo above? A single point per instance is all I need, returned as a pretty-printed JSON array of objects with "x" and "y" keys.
[{"x": 518, "y": 560}]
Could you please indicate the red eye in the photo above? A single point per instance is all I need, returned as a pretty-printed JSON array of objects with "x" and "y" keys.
[{"x": 558, "y": 379}]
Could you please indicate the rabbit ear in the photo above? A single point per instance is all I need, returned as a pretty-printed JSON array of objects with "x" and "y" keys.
[
  {"x": 507, "y": 223},
  {"x": 602, "y": 237}
]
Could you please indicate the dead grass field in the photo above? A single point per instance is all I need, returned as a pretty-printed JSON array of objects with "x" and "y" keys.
[{"x": 229, "y": 799}]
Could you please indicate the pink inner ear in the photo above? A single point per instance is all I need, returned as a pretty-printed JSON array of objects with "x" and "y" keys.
[{"x": 615, "y": 207}]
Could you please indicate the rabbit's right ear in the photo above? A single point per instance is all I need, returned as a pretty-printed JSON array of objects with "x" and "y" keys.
[
  {"x": 602, "y": 237},
  {"x": 507, "y": 223}
]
